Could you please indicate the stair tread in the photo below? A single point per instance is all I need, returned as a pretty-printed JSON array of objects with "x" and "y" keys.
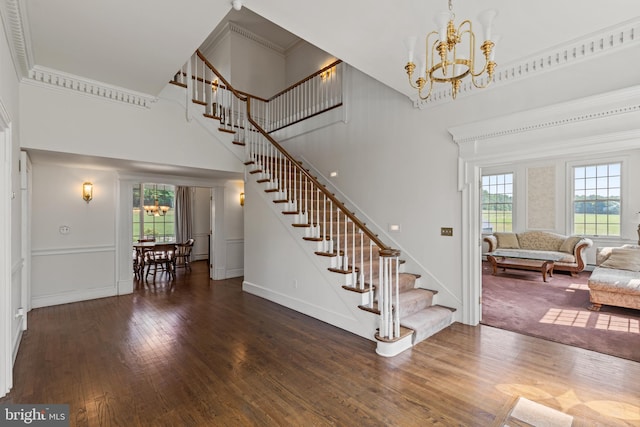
[{"x": 427, "y": 322}]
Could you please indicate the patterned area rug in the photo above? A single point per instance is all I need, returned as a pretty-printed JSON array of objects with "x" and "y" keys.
[
  {"x": 523, "y": 412},
  {"x": 557, "y": 310}
]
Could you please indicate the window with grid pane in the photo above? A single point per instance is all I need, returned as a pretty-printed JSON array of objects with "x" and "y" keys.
[
  {"x": 497, "y": 203},
  {"x": 596, "y": 199},
  {"x": 157, "y": 224}
]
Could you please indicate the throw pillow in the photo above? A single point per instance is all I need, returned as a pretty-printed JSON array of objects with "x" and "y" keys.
[
  {"x": 569, "y": 244},
  {"x": 507, "y": 240},
  {"x": 623, "y": 259}
]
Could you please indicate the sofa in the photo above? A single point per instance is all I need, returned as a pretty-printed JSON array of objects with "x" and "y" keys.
[
  {"x": 616, "y": 278},
  {"x": 567, "y": 252}
]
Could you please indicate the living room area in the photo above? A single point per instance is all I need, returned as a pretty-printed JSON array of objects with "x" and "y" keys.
[{"x": 534, "y": 214}]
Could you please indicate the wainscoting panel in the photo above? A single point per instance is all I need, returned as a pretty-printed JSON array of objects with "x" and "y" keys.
[
  {"x": 64, "y": 275},
  {"x": 200, "y": 249},
  {"x": 235, "y": 258}
]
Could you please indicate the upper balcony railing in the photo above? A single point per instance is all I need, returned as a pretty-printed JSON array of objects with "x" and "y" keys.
[
  {"x": 318, "y": 93},
  {"x": 315, "y": 94}
]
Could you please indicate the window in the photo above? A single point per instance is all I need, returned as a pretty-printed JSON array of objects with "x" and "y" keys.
[
  {"x": 153, "y": 212},
  {"x": 596, "y": 199},
  {"x": 497, "y": 203}
]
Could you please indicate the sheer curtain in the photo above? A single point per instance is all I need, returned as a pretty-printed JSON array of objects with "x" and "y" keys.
[{"x": 184, "y": 223}]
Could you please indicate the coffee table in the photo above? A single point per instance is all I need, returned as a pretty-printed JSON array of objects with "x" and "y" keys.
[{"x": 542, "y": 262}]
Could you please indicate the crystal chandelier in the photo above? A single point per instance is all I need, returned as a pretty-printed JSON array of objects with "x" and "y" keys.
[{"x": 454, "y": 49}]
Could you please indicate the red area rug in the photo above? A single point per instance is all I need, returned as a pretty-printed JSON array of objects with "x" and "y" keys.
[{"x": 520, "y": 301}]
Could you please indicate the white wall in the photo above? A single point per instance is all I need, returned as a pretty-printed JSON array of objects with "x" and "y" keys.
[
  {"x": 58, "y": 120},
  {"x": 219, "y": 55},
  {"x": 304, "y": 59},
  {"x": 79, "y": 264},
  {"x": 255, "y": 68},
  {"x": 282, "y": 267}
]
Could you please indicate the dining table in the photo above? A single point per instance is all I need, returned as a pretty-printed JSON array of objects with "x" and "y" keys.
[{"x": 140, "y": 250}]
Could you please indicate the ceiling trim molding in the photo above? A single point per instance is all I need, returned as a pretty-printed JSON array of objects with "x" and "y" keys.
[
  {"x": 43, "y": 76},
  {"x": 231, "y": 27},
  {"x": 623, "y": 35},
  {"x": 17, "y": 34},
  {"x": 607, "y": 105},
  {"x": 256, "y": 38}
]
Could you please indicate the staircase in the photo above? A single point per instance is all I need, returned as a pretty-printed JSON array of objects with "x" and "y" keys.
[{"x": 360, "y": 261}]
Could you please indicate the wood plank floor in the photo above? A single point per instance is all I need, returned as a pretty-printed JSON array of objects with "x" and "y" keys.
[{"x": 203, "y": 353}]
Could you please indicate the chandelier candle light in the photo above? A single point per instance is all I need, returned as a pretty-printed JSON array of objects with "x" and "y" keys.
[
  {"x": 156, "y": 209},
  {"x": 449, "y": 46}
]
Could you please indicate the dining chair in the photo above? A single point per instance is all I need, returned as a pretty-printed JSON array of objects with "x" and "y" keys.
[
  {"x": 183, "y": 254},
  {"x": 162, "y": 258},
  {"x": 140, "y": 256}
]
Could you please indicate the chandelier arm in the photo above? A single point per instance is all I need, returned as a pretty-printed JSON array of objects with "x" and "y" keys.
[
  {"x": 410, "y": 67},
  {"x": 460, "y": 31},
  {"x": 434, "y": 44},
  {"x": 488, "y": 82},
  {"x": 424, "y": 98}
]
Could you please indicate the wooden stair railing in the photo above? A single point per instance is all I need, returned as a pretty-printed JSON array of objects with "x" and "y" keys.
[{"x": 367, "y": 263}]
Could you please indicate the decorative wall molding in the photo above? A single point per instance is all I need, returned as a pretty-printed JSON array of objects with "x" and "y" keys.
[
  {"x": 18, "y": 36},
  {"x": 624, "y": 35},
  {"x": 607, "y": 105},
  {"x": 231, "y": 27},
  {"x": 58, "y": 79},
  {"x": 73, "y": 296},
  {"x": 73, "y": 250},
  {"x": 14, "y": 17},
  {"x": 256, "y": 38}
]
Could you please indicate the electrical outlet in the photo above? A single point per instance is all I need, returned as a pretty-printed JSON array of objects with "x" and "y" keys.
[{"x": 446, "y": 231}]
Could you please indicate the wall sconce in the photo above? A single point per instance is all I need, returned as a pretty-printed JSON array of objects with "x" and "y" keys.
[
  {"x": 87, "y": 191},
  {"x": 241, "y": 199},
  {"x": 325, "y": 75}
]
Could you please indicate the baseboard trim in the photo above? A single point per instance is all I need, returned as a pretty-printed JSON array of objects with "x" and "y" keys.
[
  {"x": 73, "y": 296},
  {"x": 237, "y": 272},
  {"x": 338, "y": 320}
]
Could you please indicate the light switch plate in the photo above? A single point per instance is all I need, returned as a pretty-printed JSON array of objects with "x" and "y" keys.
[{"x": 446, "y": 231}]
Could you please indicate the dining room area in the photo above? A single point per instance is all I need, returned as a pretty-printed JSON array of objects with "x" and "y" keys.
[
  {"x": 167, "y": 220},
  {"x": 82, "y": 249},
  {"x": 157, "y": 259}
]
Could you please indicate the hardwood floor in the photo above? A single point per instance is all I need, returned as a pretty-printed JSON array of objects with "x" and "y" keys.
[{"x": 203, "y": 353}]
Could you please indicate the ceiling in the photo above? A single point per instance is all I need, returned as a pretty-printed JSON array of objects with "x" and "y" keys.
[{"x": 138, "y": 45}]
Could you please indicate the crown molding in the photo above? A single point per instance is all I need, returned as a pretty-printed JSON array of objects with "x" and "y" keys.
[
  {"x": 623, "y": 35},
  {"x": 231, "y": 27},
  {"x": 14, "y": 17},
  {"x": 256, "y": 38},
  {"x": 42, "y": 76},
  {"x": 607, "y": 105}
]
